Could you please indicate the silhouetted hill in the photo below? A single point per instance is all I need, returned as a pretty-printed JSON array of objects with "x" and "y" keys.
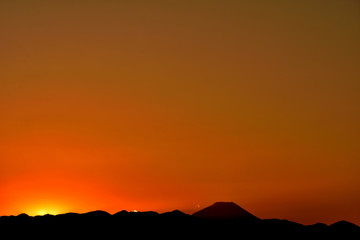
[
  {"x": 225, "y": 211},
  {"x": 344, "y": 229},
  {"x": 97, "y": 213},
  {"x": 219, "y": 221},
  {"x": 175, "y": 214}
]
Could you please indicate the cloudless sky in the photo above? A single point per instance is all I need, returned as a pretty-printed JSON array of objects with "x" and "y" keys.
[{"x": 163, "y": 105}]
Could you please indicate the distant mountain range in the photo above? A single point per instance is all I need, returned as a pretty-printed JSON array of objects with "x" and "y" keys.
[{"x": 222, "y": 220}]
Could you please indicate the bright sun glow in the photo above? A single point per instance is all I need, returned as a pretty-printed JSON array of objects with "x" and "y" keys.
[
  {"x": 46, "y": 211},
  {"x": 43, "y": 210}
]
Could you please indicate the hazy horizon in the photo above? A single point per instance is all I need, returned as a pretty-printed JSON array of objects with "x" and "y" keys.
[{"x": 148, "y": 210}]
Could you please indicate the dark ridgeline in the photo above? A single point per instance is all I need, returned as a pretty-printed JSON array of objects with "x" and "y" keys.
[{"x": 219, "y": 221}]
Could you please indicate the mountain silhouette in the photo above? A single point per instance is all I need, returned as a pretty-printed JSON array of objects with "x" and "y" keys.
[
  {"x": 222, "y": 220},
  {"x": 225, "y": 211},
  {"x": 97, "y": 214},
  {"x": 344, "y": 230}
]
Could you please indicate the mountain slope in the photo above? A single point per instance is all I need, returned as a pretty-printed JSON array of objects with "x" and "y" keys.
[{"x": 224, "y": 211}]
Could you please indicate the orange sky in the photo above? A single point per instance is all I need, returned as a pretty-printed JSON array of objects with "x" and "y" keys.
[{"x": 118, "y": 105}]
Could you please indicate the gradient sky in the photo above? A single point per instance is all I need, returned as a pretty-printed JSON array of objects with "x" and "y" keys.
[{"x": 163, "y": 105}]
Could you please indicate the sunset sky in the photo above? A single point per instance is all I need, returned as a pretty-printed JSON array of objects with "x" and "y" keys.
[{"x": 163, "y": 105}]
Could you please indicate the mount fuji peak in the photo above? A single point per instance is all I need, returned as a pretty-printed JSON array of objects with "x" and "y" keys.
[{"x": 225, "y": 211}]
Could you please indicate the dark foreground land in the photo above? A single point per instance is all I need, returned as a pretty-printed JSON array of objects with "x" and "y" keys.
[{"x": 171, "y": 225}]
